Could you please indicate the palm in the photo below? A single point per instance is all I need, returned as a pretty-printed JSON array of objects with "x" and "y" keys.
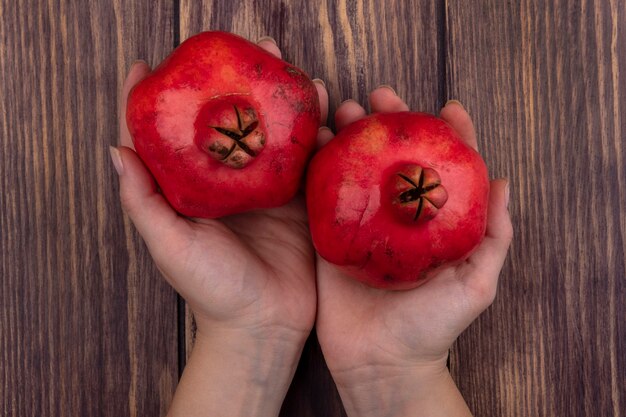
[
  {"x": 358, "y": 325},
  {"x": 245, "y": 264}
]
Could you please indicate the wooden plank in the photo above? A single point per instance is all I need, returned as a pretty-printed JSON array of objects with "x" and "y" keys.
[
  {"x": 353, "y": 46},
  {"x": 87, "y": 326},
  {"x": 544, "y": 82}
]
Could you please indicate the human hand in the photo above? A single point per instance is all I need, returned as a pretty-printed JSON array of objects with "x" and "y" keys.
[
  {"x": 383, "y": 346},
  {"x": 248, "y": 278}
]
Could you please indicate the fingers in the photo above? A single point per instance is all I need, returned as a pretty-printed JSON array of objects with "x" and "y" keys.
[
  {"x": 269, "y": 44},
  {"x": 348, "y": 112},
  {"x": 483, "y": 267},
  {"x": 153, "y": 217},
  {"x": 454, "y": 113},
  {"x": 382, "y": 100},
  {"x": 324, "y": 135},
  {"x": 385, "y": 100},
  {"x": 137, "y": 71}
]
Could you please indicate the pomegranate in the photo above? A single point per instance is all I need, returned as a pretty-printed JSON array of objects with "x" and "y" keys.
[
  {"x": 224, "y": 126},
  {"x": 394, "y": 196}
]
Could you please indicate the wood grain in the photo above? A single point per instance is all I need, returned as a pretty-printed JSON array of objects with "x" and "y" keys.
[
  {"x": 354, "y": 46},
  {"x": 86, "y": 325},
  {"x": 544, "y": 82}
]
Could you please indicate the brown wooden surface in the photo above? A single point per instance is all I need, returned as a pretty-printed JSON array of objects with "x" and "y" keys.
[
  {"x": 546, "y": 84},
  {"x": 87, "y": 327}
]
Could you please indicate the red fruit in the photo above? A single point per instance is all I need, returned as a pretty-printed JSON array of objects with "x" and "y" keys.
[
  {"x": 224, "y": 126},
  {"x": 394, "y": 196}
]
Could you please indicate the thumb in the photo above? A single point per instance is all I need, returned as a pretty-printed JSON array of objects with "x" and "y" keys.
[
  {"x": 151, "y": 214},
  {"x": 484, "y": 265},
  {"x": 499, "y": 227}
]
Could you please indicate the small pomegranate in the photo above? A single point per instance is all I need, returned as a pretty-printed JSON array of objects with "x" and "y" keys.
[
  {"x": 394, "y": 196},
  {"x": 224, "y": 126}
]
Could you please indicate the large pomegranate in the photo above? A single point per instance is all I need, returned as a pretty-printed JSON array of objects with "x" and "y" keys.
[
  {"x": 394, "y": 196},
  {"x": 224, "y": 126}
]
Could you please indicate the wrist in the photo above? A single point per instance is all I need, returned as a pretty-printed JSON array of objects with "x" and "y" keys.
[
  {"x": 401, "y": 392},
  {"x": 268, "y": 356},
  {"x": 260, "y": 332},
  {"x": 234, "y": 372}
]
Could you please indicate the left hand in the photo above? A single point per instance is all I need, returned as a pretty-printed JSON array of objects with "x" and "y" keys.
[{"x": 370, "y": 337}]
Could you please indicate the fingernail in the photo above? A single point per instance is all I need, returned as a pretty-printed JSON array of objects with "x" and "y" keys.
[
  {"x": 457, "y": 102},
  {"x": 320, "y": 82},
  {"x": 267, "y": 38},
  {"x": 348, "y": 101},
  {"x": 507, "y": 193},
  {"x": 388, "y": 87},
  {"x": 117, "y": 160},
  {"x": 138, "y": 61},
  {"x": 324, "y": 129}
]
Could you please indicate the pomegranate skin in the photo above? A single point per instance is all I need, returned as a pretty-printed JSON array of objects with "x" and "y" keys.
[
  {"x": 357, "y": 199},
  {"x": 224, "y": 126}
]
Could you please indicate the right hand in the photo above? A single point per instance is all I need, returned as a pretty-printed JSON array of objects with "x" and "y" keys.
[{"x": 250, "y": 273}]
